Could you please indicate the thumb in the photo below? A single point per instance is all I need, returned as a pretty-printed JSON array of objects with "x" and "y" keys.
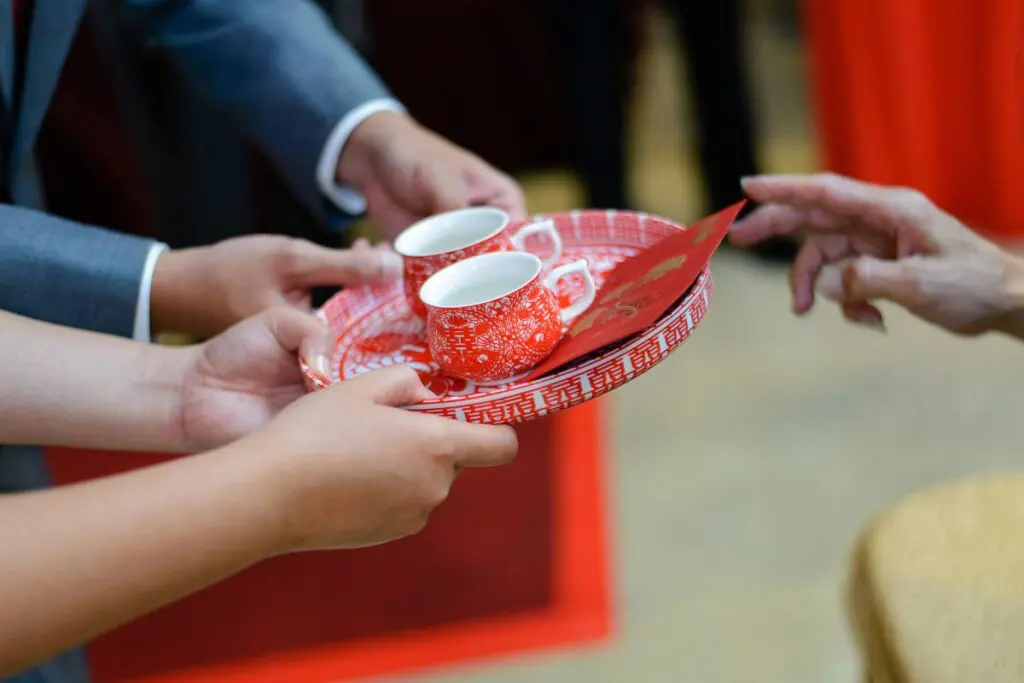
[
  {"x": 397, "y": 387},
  {"x": 294, "y": 329},
  {"x": 315, "y": 266},
  {"x": 866, "y": 278},
  {"x": 299, "y": 332}
]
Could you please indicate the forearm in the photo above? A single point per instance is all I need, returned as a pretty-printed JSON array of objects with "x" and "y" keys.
[
  {"x": 181, "y": 300},
  {"x": 69, "y": 387},
  {"x": 79, "y": 560},
  {"x": 278, "y": 66}
]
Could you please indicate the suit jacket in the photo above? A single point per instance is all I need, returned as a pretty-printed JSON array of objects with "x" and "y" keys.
[{"x": 276, "y": 66}]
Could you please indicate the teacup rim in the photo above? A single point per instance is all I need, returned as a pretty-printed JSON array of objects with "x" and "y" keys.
[
  {"x": 421, "y": 224},
  {"x": 498, "y": 255}
]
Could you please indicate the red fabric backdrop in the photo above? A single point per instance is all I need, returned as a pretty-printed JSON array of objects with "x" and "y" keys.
[
  {"x": 927, "y": 94},
  {"x": 515, "y": 560}
]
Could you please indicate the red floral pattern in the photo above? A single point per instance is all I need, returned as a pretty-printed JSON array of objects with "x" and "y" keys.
[
  {"x": 498, "y": 339},
  {"x": 417, "y": 269}
]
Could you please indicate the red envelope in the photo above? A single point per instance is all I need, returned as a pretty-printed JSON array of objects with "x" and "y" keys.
[{"x": 638, "y": 291}]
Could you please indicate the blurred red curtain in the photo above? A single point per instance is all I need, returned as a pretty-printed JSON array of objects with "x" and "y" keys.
[{"x": 927, "y": 94}]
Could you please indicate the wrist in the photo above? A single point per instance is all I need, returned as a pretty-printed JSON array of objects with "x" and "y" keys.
[
  {"x": 158, "y": 382},
  {"x": 176, "y": 295},
  {"x": 232, "y": 485},
  {"x": 366, "y": 145},
  {"x": 1011, "y": 321},
  {"x": 268, "y": 487}
]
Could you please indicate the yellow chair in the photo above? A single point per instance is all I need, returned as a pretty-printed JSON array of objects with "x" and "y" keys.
[{"x": 937, "y": 586}]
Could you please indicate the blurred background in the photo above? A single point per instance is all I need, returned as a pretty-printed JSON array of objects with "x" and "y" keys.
[
  {"x": 744, "y": 467},
  {"x": 741, "y": 471}
]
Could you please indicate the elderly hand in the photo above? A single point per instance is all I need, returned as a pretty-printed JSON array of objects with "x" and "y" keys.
[
  {"x": 865, "y": 243},
  {"x": 406, "y": 173},
  {"x": 205, "y": 290}
]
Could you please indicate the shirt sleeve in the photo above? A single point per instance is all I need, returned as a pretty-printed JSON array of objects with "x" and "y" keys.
[
  {"x": 141, "y": 330},
  {"x": 346, "y": 198}
]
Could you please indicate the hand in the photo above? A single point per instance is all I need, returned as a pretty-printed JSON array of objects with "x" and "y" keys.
[
  {"x": 205, "y": 290},
  {"x": 345, "y": 468},
  {"x": 867, "y": 242},
  {"x": 337, "y": 469},
  {"x": 406, "y": 173},
  {"x": 236, "y": 382}
]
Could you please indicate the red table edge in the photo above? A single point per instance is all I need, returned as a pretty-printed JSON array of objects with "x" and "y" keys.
[{"x": 580, "y": 613}]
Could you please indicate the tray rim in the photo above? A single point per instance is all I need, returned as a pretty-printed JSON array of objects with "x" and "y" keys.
[{"x": 701, "y": 287}]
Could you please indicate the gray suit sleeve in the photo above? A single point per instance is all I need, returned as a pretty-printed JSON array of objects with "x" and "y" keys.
[
  {"x": 68, "y": 273},
  {"x": 278, "y": 66}
]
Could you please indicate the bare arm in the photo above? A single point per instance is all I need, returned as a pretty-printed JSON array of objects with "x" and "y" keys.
[
  {"x": 79, "y": 560},
  {"x": 341, "y": 468},
  {"x": 69, "y": 387}
]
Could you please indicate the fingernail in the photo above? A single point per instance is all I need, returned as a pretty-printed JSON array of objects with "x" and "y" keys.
[
  {"x": 869, "y": 319},
  {"x": 320, "y": 365},
  {"x": 746, "y": 179},
  {"x": 872, "y": 324},
  {"x": 390, "y": 265}
]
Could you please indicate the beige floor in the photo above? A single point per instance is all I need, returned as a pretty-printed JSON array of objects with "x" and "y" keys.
[{"x": 745, "y": 464}]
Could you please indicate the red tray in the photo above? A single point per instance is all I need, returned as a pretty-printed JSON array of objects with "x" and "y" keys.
[{"x": 376, "y": 330}]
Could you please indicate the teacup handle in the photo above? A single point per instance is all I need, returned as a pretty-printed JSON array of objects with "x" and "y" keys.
[
  {"x": 541, "y": 227},
  {"x": 589, "y": 289}
]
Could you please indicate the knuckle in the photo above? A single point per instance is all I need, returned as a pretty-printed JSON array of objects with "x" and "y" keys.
[
  {"x": 363, "y": 266},
  {"x": 913, "y": 201},
  {"x": 434, "y": 441},
  {"x": 291, "y": 253},
  {"x": 826, "y": 185},
  {"x": 432, "y": 492},
  {"x": 275, "y": 317},
  {"x": 436, "y": 495},
  {"x": 278, "y": 314},
  {"x": 829, "y": 180},
  {"x": 443, "y": 445},
  {"x": 910, "y": 195}
]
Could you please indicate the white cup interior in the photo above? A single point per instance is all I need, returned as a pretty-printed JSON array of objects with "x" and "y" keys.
[
  {"x": 480, "y": 279},
  {"x": 450, "y": 231}
]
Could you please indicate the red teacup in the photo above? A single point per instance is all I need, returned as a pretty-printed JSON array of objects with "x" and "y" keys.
[
  {"x": 439, "y": 241},
  {"x": 492, "y": 318}
]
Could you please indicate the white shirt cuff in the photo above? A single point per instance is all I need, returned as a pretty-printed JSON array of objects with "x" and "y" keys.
[
  {"x": 346, "y": 198},
  {"x": 141, "y": 330}
]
